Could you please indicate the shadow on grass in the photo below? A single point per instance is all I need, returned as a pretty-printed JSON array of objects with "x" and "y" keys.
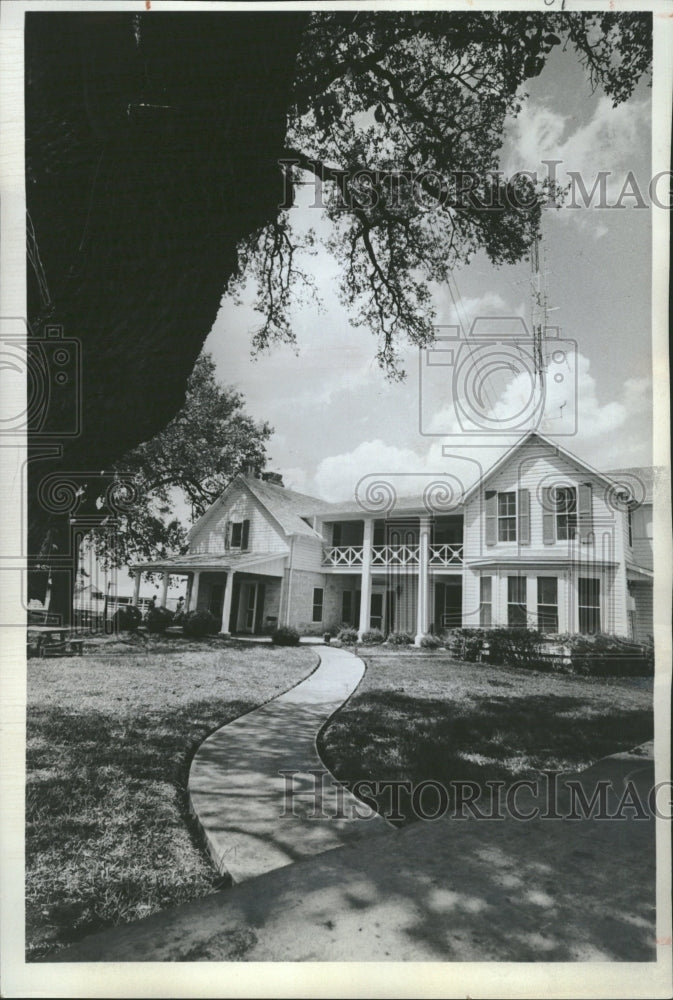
[
  {"x": 390, "y": 736},
  {"x": 108, "y": 833}
]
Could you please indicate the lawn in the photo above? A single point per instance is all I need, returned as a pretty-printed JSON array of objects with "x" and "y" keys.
[
  {"x": 109, "y": 742},
  {"x": 416, "y": 718}
]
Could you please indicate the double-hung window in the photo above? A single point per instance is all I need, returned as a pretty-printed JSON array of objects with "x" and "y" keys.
[
  {"x": 589, "y": 604},
  {"x": 486, "y": 601},
  {"x": 317, "y": 604},
  {"x": 566, "y": 513},
  {"x": 507, "y": 517},
  {"x": 547, "y": 603},
  {"x": 516, "y": 602}
]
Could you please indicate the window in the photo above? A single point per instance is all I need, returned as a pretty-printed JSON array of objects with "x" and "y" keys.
[
  {"x": 237, "y": 535},
  {"x": 516, "y": 602},
  {"x": 629, "y": 519},
  {"x": 589, "y": 601},
  {"x": 547, "y": 604},
  {"x": 566, "y": 513},
  {"x": 347, "y": 608},
  {"x": 507, "y": 517},
  {"x": 317, "y": 604},
  {"x": 485, "y": 601}
]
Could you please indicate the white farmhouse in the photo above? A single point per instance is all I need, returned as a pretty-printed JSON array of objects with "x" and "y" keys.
[{"x": 541, "y": 540}]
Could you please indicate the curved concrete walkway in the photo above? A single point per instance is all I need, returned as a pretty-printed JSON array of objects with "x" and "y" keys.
[{"x": 255, "y": 818}]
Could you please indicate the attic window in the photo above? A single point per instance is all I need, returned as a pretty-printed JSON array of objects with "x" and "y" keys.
[{"x": 237, "y": 534}]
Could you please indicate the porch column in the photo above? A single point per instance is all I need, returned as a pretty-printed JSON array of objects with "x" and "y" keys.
[
  {"x": 226, "y": 606},
  {"x": 423, "y": 599},
  {"x": 366, "y": 578},
  {"x": 136, "y": 586},
  {"x": 194, "y": 591},
  {"x": 164, "y": 588}
]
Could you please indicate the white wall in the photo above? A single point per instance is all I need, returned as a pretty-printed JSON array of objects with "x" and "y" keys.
[{"x": 240, "y": 505}]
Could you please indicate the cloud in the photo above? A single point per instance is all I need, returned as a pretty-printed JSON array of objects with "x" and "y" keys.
[
  {"x": 609, "y": 433},
  {"x": 612, "y": 140}
]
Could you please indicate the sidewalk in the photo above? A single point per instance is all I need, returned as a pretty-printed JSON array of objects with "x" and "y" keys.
[
  {"x": 239, "y": 796},
  {"x": 451, "y": 890}
]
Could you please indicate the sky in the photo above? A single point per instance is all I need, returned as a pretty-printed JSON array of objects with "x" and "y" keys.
[{"x": 337, "y": 418}]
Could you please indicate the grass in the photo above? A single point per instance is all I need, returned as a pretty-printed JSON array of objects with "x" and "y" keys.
[
  {"x": 109, "y": 742},
  {"x": 416, "y": 718}
]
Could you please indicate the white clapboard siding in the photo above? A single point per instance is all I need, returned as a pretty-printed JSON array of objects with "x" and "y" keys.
[
  {"x": 307, "y": 554},
  {"x": 265, "y": 535},
  {"x": 642, "y": 536},
  {"x": 534, "y": 467}
]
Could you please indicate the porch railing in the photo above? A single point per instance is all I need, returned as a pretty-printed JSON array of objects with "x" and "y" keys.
[
  {"x": 392, "y": 555},
  {"x": 342, "y": 555},
  {"x": 395, "y": 555},
  {"x": 446, "y": 555}
]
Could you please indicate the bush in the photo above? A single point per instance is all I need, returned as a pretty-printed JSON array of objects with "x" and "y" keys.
[
  {"x": 400, "y": 639},
  {"x": 372, "y": 637},
  {"x": 158, "y": 619},
  {"x": 285, "y": 636},
  {"x": 127, "y": 618},
  {"x": 603, "y": 655},
  {"x": 348, "y": 636},
  {"x": 466, "y": 643},
  {"x": 199, "y": 623},
  {"x": 431, "y": 642},
  {"x": 516, "y": 647}
]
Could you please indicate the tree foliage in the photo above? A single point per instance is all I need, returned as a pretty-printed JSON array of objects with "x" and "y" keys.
[
  {"x": 383, "y": 96},
  {"x": 194, "y": 458}
]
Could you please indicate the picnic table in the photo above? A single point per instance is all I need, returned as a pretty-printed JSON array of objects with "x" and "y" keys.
[{"x": 53, "y": 640}]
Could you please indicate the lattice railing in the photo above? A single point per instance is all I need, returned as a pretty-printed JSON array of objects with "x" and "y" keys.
[
  {"x": 342, "y": 555},
  {"x": 446, "y": 555},
  {"x": 395, "y": 555},
  {"x": 392, "y": 555}
]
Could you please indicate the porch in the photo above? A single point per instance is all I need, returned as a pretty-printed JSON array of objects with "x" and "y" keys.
[
  {"x": 401, "y": 602},
  {"x": 242, "y": 592},
  {"x": 393, "y": 543}
]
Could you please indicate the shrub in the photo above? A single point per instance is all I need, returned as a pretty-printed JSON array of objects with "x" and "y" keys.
[
  {"x": 372, "y": 637},
  {"x": 158, "y": 619},
  {"x": 400, "y": 639},
  {"x": 517, "y": 647},
  {"x": 127, "y": 618},
  {"x": 466, "y": 643},
  {"x": 285, "y": 636},
  {"x": 199, "y": 623},
  {"x": 348, "y": 636},
  {"x": 431, "y": 642},
  {"x": 603, "y": 655}
]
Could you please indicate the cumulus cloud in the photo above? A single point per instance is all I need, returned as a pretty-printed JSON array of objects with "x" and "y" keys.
[
  {"x": 607, "y": 142},
  {"x": 605, "y": 433}
]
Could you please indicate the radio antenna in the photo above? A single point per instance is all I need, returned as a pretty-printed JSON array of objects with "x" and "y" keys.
[{"x": 539, "y": 307}]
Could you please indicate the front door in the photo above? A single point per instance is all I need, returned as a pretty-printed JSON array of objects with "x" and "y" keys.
[
  {"x": 448, "y": 603},
  {"x": 248, "y": 607},
  {"x": 216, "y": 600},
  {"x": 377, "y": 612}
]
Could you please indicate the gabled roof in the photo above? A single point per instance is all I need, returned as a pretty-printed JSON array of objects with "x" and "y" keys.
[
  {"x": 633, "y": 476},
  {"x": 285, "y": 506},
  {"x": 504, "y": 459}
]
